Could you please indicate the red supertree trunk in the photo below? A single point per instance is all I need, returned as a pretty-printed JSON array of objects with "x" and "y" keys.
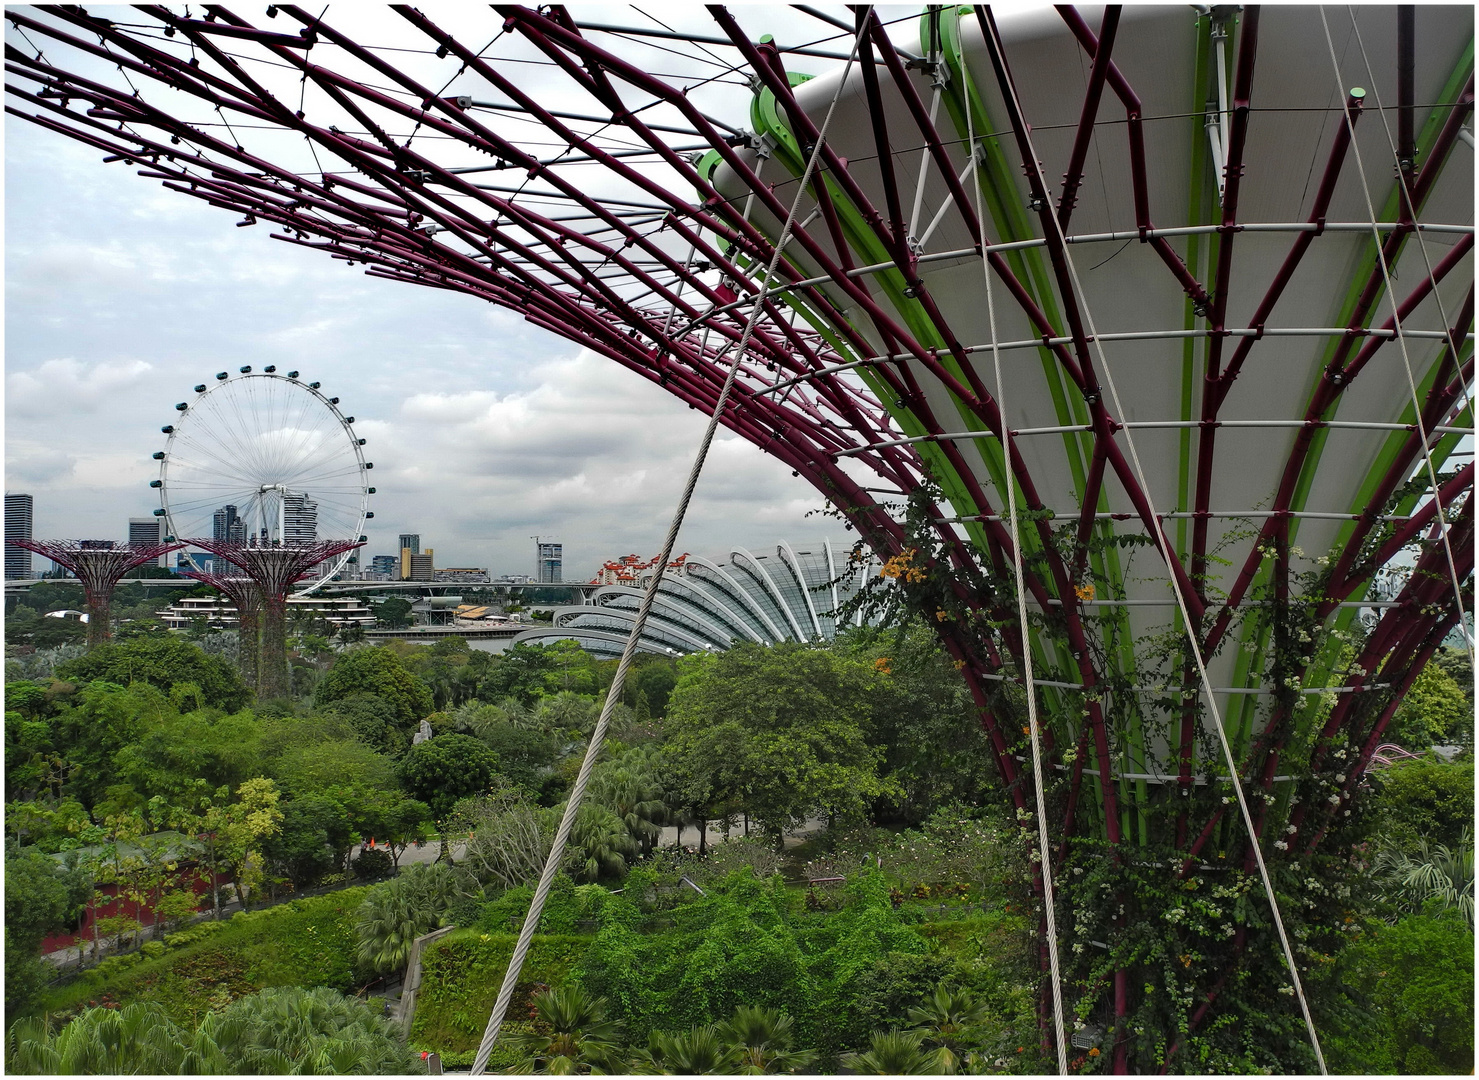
[{"x": 98, "y": 565}]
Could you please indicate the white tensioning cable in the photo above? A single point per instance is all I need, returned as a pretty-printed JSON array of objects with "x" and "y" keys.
[
  {"x": 577, "y": 791},
  {"x": 1167, "y": 556},
  {"x": 1386, "y": 275},
  {"x": 1045, "y": 855}
]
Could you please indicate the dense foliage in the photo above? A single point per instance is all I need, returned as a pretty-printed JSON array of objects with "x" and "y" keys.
[{"x": 898, "y": 936}]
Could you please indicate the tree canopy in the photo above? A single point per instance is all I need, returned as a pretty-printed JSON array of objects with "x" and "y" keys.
[
  {"x": 162, "y": 661},
  {"x": 376, "y": 670},
  {"x": 781, "y": 731}
]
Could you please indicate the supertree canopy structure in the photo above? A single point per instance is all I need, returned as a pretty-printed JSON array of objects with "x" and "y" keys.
[
  {"x": 272, "y": 566},
  {"x": 243, "y": 592},
  {"x": 1167, "y": 317},
  {"x": 98, "y": 564}
]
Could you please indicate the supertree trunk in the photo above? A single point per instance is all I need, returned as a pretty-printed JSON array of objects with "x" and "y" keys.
[
  {"x": 249, "y": 647},
  {"x": 268, "y": 571},
  {"x": 247, "y": 597},
  {"x": 273, "y": 679},
  {"x": 98, "y": 565},
  {"x": 1298, "y": 389}
]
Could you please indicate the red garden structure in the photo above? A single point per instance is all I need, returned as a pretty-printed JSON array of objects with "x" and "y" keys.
[
  {"x": 98, "y": 564},
  {"x": 1172, "y": 310}
]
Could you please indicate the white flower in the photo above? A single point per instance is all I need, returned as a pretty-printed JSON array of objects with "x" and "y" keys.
[
  {"x": 1292, "y": 829},
  {"x": 1281, "y": 845}
]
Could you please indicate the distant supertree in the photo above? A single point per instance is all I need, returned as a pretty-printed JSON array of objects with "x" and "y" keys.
[
  {"x": 273, "y": 568},
  {"x": 98, "y": 564},
  {"x": 243, "y": 592}
]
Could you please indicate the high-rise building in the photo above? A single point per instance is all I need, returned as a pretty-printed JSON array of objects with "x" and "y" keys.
[
  {"x": 548, "y": 561},
  {"x": 385, "y": 564},
  {"x": 420, "y": 565},
  {"x": 226, "y": 524},
  {"x": 18, "y": 514},
  {"x": 412, "y": 541},
  {"x": 148, "y": 530},
  {"x": 299, "y": 517}
]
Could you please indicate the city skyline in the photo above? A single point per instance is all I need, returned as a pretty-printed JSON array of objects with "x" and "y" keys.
[{"x": 120, "y": 296}]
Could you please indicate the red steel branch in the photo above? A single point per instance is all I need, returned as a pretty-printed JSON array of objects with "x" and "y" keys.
[
  {"x": 661, "y": 279},
  {"x": 98, "y": 565}
]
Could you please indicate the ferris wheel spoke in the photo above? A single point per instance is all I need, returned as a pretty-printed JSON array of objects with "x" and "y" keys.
[{"x": 252, "y": 442}]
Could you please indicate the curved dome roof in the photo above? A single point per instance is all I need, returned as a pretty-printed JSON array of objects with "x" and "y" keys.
[{"x": 788, "y": 594}]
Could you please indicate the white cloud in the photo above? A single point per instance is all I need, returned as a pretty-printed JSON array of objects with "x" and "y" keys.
[{"x": 68, "y": 384}]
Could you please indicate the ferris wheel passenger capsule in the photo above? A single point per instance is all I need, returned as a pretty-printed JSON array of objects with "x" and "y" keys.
[{"x": 247, "y": 370}]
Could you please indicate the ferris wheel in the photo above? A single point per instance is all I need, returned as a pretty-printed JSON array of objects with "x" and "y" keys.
[{"x": 262, "y": 457}]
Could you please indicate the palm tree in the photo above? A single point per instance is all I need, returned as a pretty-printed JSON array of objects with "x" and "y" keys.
[
  {"x": 397, "y": 912},
  {"x": 137, "y": 1039},
  {"x": 572, "y": 1034},
  {"x": 599, "y": 844},
  {"x": 944, "y": 1019},
  {"x": 701, "y": 1050},
  {"x": 897, "y": 1053},
  {"x": 1431, "y": 873},
  {"x": 290, "y": 1030},
  {"x": 762, "y": 1040},
  {"x": 629, "y": 786},
  {"x": 567, "y": 711}
]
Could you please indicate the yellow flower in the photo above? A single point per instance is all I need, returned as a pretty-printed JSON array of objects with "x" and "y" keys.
[{"x": 1084, "y": 592}]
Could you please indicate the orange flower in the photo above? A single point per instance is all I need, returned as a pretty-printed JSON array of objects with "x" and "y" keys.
[
  {"x": 1185, "y": 959},
  {"x": 1084, "y": 592},
  {"x": 881, "y": 664},
  {"x": 1093, "y": 1051}
]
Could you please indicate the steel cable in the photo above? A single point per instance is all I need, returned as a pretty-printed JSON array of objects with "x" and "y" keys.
[{"x": 613, "y": 696}]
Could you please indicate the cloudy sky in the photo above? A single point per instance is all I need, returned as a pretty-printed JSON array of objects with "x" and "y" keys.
[{"x": 485, "y": 431}]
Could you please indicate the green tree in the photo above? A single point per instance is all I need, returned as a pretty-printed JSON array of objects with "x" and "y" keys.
[
  {"x": 392, "y": 819},
  {"x": 1436, "y": 709},
  {"x": 290, "y": 1030},
  {"x": 41, "y": 896},
  {"x": 200, "y": 745},
  {"x": 136, "y": 1039},
  {"x": 278, "y": 1031},
  {"x": 444, "y": 769},
  {"x": 599, "y": 845},
  {"x": 1431, "y": 877},
  {"x": 924, "y": 722},
  {"x": 333, "y": 764},
  {"x": 1429, "y": 799},
  {"x": 762, "y": 1039},
  {"x": 376, "y": 670},
  {"x": 571, "y": 1035},
  {"x": 525, "y": 673},
  {"x": 394, "y": 612},
  {"x": 897, "y": 1053},
  {"x": 779, "y": 732},
  {"x": 374, "y": 720},
  {"x": 162, "y": 662},
  {"x": 1412, "y": 988},
  {"x": 699, "y": 1051},
  {"x": 396, "y": 912},
  {"x": 946, "y": 1019},
  {"x": 630, "y": 786},
  {"x": 314, "y": 834}
]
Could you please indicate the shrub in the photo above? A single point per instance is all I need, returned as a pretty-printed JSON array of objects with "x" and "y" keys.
[
  {"x": 302, "y": 943},
  {"x": 372, "y": 864}
]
